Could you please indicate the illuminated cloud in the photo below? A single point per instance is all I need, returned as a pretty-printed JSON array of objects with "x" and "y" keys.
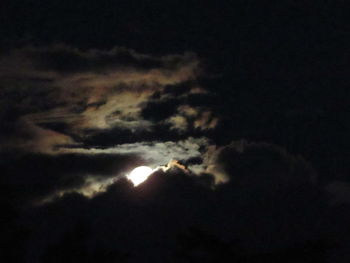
[
  {"x": 178, "y": 122},
  {"x": 90, "y": 187},
  {"x": 73, "y": 92},
  {"x": 205, "y": 121},
  {"x": 90, "y": 171},
  {"x": 92, "y": 181},
  {"x": 154, "y": 153},
  {"x": 189, "y": 117}
]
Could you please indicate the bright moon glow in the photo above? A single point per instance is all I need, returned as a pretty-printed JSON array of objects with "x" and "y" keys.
[{"x": 139, "y": 174}]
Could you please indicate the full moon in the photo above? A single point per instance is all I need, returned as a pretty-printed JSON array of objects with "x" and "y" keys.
[{"x": 139, "y": 174}]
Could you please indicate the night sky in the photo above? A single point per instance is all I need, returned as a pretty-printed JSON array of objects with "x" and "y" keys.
[{"x": 240, "y": 107}]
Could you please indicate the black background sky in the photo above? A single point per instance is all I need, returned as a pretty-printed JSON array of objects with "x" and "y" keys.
[{"x": 252, "y": 97}]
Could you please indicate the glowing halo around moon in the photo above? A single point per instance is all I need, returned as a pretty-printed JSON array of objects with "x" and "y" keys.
[{"x": 139, "y": 174}]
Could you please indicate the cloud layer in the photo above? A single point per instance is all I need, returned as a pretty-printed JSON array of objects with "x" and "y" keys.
[
  {"x": 63, "y": 105},
  {"x": 58, "y": 95}
]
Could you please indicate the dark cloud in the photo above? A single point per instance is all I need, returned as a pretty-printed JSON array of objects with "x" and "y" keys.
[
  {"x": 272, "y": 166},
  {"x": 68, "y": 60},
  {"x": 161, "y": 218},
  {"x": 339, "y": 192},
  {"x": 36, "y": 177}
]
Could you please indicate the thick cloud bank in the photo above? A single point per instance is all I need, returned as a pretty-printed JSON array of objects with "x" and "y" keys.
[{"x": 270, "y": 207}]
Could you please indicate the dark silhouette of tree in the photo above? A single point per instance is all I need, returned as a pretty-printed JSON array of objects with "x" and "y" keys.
[
  {"x": 308, "y": 252},
  {"x": 196, "y": 245},
  {"x": 74, "y": 248},
  {"x": 13, "y": 236}
]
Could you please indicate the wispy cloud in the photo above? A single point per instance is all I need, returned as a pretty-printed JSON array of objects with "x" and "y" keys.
[{"x": 60, "y": 95}]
